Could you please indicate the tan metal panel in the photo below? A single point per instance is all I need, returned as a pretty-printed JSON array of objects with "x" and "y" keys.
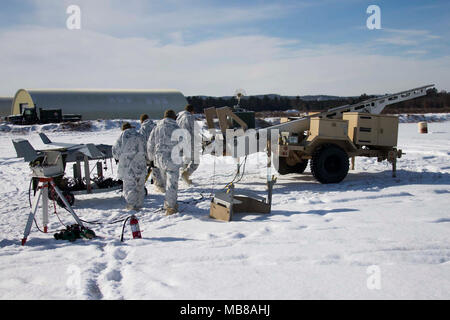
[
  {"x": 370, "y": 129},
  {"x": 210, "y": 114},
  {"x": 388, "y": 131},
  {"x": 328, "y": 128}
]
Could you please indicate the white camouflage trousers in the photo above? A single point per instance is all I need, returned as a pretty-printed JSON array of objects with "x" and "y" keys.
[
  {"x": 134, "y": 192},
  {"x": 158, "y": 178},
  {"x": 170, "y": 180}
]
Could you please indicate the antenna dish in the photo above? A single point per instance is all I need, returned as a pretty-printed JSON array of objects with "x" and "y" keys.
[{"x": 239, "y": 93}]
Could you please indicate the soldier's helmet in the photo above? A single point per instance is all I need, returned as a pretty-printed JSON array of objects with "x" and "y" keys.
[
  {"x": 126, "y": 125},
  {"x": 170, "y": 114}
]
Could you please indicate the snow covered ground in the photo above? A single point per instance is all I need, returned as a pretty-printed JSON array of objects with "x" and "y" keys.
[
  {"x": 101, "y": 125},
  {"x": 369, "y": 237}
]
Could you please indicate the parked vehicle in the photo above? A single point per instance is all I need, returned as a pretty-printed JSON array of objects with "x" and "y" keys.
[{"x": 30, "y": 116}]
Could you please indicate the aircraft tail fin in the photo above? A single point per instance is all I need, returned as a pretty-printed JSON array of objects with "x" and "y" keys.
[
  {"x": 24, "y": 150},
  {"x": 44, "y": 138}
]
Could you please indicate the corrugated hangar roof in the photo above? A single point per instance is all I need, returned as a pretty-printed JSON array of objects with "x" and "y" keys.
[
  {"x": 102, "y": 103},
  {"x": 5, "y": 106}
]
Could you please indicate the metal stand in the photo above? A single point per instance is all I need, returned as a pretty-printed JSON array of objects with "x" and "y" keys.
[
  {"x": 271, "y": 180},
  {"x": 394, "y": 168},
  {"x": 392, "y": 158},
  {"x": 225, "y": 204},
  {"x": 42, "y": 188}
]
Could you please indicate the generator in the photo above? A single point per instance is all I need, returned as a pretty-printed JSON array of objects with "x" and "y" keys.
[{"x": 371, "y": 129}]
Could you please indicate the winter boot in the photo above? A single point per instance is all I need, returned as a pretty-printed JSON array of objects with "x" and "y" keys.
[
  {"x": 170, "y": 211},
  {"x": 185, "y": 176}
]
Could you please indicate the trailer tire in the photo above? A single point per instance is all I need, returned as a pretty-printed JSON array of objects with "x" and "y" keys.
[
  {"x": 284, "y": 168},
  {"x": 330, "y": 164},
  {"x": 301, "y": 166}
]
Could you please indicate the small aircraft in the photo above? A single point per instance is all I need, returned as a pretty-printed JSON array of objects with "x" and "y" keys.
[
  {"x": 76, "y": 153},
  {"x": 71, "y": 152}
]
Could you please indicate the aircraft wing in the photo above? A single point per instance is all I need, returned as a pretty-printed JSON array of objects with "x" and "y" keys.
[
  {"x": 91, "y": 151},
  {"x": 59, "y": 145},
  {"x": 105, "y": 149},
  {"x": 76, "y": 152}
]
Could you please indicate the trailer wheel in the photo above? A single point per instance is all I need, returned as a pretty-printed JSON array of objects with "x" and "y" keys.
[
  {"x": 285, "y": 168},
  {"x": 330, "y": 164},
  {"x": 301, "y": 167}
]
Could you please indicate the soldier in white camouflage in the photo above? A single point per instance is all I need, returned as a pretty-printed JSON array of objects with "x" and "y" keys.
[
  {"x": 146, "y": 129},
  {"x": 186, "y": 120},
  {"x": 129, "y": 151},
  {"x": 159, "y": 150},
  {"x": 147, "y": 125}
]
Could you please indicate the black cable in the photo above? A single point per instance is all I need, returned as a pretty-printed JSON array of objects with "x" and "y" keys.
[
  {"x": 103, "y": 223},
  {"x": 111, "y": 222},
  {"x": 243, "y": 171},
  {"x": 234, "y": 178},
  {"x": 202, "y": 197},
  {"x": 237, "y": 173},
  {"x": 29, "y": 193},
  {"x": 123, "y": 228},
  {"x": 96, "y": 222},
  {"x": 56, "y": 213}
]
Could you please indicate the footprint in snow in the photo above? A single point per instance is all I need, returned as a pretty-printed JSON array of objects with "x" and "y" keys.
[
  {"x": 209, "y": 236},
  {"x": 441, "y": 191},
  {"x": 119, "y": 254},
  {"x": 237, "y": 235},
  {"x": 263, "y": 231},
  {"x": 114, "y": 275}
]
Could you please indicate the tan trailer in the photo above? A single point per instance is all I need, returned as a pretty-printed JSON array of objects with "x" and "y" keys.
[
  {"x": 329, "y": 143},
  {"x": 328, "y": 140}
]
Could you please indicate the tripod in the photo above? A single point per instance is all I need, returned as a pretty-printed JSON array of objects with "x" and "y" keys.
[{"x": 43, "y": 186}]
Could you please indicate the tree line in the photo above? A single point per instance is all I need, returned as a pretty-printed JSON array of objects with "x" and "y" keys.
[{"x": 434, "y": 101}]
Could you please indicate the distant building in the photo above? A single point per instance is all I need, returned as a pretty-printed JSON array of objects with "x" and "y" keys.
[
  {"x": 102, "y": 104},
  {"x": 5, "y": 106}
]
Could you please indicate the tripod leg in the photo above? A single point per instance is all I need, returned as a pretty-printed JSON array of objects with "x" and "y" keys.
[
  {"x": 87, "y": 175},
  {"x": 66, "y": 203},
  {"x": 31, "y": 217},
  {"x": 269, "y": 165},
  {"x": 394, "y": 168},
  {"x": 45, "y": 206}
]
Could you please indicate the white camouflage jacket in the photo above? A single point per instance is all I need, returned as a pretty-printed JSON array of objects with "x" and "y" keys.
[
  {"x": 186, "y": 120},
  {"x": 146, "y": 128},
  {"x": 129, "y": 149},
  {"x": 160, "y": 145}
]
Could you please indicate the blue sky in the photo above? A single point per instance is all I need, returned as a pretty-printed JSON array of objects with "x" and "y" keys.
[{"x": 210, "y": 47}]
